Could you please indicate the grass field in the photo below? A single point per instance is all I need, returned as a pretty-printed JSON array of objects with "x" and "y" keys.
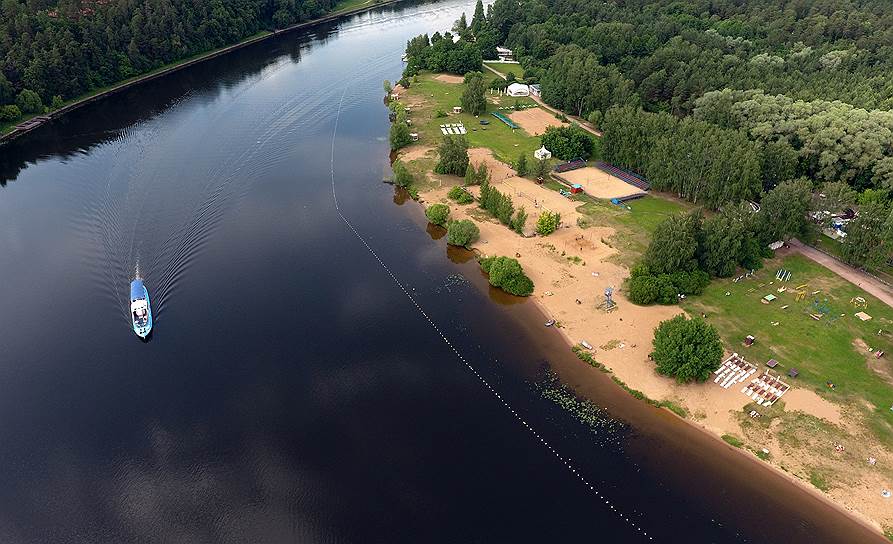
[
  {"x": 823, "y": 350},
  {"x": 507, "y": 144},
  {"x": 505, "y": 67}
]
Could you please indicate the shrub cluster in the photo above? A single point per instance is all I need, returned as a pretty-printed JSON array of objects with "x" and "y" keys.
[
  {"x": 462, "y": 233},
  {"x": 453, "y": 153},
  {"x": 438, "y": 214},
  {"x": 506, "y": 273},
  {"x": 460, "y": 195},
  {"x": 548, "y": 223},
  {"x": 647, "y": 288}
]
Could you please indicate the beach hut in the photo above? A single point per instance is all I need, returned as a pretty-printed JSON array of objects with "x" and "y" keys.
[
  {"x": 517, "y": 89},
  {"x": 542, "y": 154}
]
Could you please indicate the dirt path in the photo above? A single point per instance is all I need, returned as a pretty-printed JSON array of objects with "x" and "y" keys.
[
  {"x": 584, "y": 124},
  {"x": 857, "y": 277}
]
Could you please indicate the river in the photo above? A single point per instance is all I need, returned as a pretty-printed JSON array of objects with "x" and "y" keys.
[{"x": 309, "y": 379}]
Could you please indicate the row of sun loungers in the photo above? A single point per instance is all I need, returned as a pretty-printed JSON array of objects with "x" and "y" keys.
[
  {"x": 766, "y": 389},
  {"x": 456, "y": 128},
  {"x": 733, "y": 370}
]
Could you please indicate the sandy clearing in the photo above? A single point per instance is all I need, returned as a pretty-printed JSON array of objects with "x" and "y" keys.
[
  {"x": 413, "y": 152},
  {"x": 600, "y": 184},
  {"x": 807, "y": 401},
  {"x": 447, "y": 78},
  {"x": 535, "y": 121}
]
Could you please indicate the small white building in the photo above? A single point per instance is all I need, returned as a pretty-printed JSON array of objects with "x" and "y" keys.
[
  {"x": 536, "y": 90},
  {"x": 542, "y": 154},
  {"x": 517, "y": 89},
  {"x": 457, "y": 109},
  {"x": 505, "y": 54}
]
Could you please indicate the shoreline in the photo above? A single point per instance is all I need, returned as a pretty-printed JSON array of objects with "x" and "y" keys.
[
  {"x": 596, "y": 386},
  {"x": 560, "y": 266},
  {"x": 48, "y": 117}
]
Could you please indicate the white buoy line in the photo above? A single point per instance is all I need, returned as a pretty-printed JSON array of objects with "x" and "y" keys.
[{"x": 525, "y": 424}]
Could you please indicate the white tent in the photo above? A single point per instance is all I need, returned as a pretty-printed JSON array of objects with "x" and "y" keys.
[
  {"x": 542, "y": 153},
  {"x": 517, "y": 89}
]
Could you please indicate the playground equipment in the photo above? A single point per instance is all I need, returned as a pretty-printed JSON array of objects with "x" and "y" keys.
[
  {"x": 859, "y": 302},
  {"x": 783, "y": 275}
]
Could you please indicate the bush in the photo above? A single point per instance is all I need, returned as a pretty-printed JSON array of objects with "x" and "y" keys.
[
  {"x": 462, "y": 233},
  {"x": 460, "y": 195},
  {"x": 399, "y": 135},
  {"x": 686, "y": 349},
  {"x": 402, "y": 176},
  {"x": 521, "y": 166},
  {"x": 519, "y": 221},
  {"x": 453, "y": 152},
  {"x": 541, "y": 169},
  {"x": 568, "y": 143},
  {"x": 438, "y": 214},
  {"x": 29, "y": 102},
  {"x": 548, "y": 223},
  {"x": 10, "y": 112},
  {"x": 507, "y": 274},
  {"x": 646, "y": 288},
  {"x": 57, "y": 102},
  {"x": 499, "y": 84},
  {"x": 387, "y": 87},
  {"x": 439, "y": 114}
]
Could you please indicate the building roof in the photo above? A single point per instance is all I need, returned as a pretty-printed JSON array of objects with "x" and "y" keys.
[{"x": 517, "y": 87}]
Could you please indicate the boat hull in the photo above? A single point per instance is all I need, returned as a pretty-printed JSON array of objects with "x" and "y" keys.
[{"x": 138, "y": 294}]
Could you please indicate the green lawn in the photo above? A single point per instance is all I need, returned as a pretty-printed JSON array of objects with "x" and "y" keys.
[
  {"x": 821, "y": 350},
  {"x": 505, "y": 67},
  {"x": 507, "y": 144}
]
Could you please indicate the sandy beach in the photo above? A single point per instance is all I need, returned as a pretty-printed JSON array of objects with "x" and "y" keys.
[{"x": 571, "y": 269}]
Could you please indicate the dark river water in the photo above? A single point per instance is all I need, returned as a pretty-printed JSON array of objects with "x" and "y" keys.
[{"x": 308, "y": 379}]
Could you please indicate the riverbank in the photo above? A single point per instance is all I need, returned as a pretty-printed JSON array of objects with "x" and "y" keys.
[
  {"x": 571, "y": 269},
  {"x": 32, "y": 122}
]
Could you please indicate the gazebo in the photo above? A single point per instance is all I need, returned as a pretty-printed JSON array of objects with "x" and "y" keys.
[{"x": 542, "y": 153}]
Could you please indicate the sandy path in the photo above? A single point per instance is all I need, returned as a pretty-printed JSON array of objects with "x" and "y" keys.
[{"x": 857, "y": 277}]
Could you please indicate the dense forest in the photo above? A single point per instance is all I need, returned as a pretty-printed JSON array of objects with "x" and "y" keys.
[
  {"x": 52, "y": 51},
  {"x": 722, "y": 99},
  {"x": 717, "y": 101}
]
